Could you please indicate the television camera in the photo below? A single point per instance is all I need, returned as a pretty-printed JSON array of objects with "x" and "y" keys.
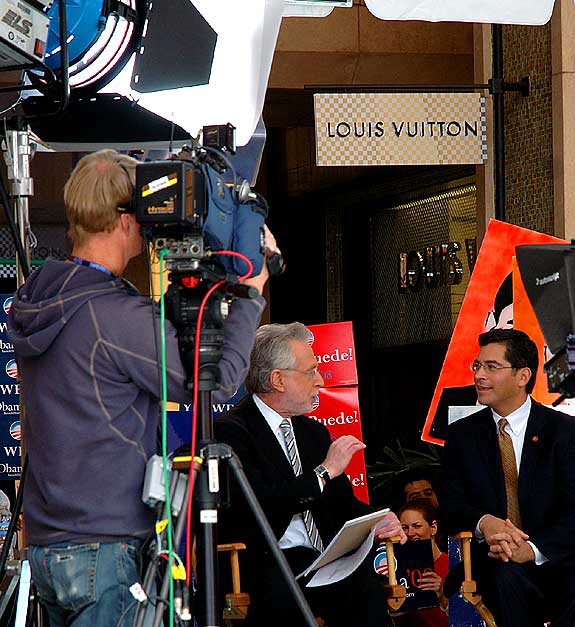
[
  {"x": 548, "y": 274},
  {"x": 186, "y": 206},
  {"x": 213, "y": 231}
]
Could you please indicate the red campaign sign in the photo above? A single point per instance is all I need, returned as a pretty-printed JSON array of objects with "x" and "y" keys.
[
  {"x": 338, "y": 410},
  {"x": 334, "y": 350}
]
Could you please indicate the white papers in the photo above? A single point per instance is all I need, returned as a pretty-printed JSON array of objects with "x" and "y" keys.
[
  {"x": 340, "y": 568},
  {"x": 355, "y": 533}
]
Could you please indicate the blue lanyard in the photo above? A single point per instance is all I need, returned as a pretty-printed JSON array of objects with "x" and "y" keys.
[{"x": 91, "y": 264}]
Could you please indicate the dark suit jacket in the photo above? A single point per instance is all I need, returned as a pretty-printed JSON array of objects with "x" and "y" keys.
[
  {"x": 280, "y": 493},
  {"x": 473, "y": 483}
]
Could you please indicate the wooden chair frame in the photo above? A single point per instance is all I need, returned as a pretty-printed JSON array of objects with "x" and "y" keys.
[
  {"x": 469, "y": 585},
  {"x": 237, "y": 602}
]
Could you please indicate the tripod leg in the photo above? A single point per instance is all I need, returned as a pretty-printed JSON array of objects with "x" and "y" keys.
[
  {"x": 7, "y": 595},
  {"x": 161, "y": 603},
  {"x": 149, "y": 579},
  {"x": 23, "y": 594},
  {"x": 268, "y": 534},
  {"x": 34, "y": 609},
  {"x": 207, "y": 574}
]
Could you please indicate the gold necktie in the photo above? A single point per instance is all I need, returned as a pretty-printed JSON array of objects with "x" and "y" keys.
[{"x": 509, "y": 472}]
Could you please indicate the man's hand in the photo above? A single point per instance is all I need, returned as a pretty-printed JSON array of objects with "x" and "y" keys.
[
  {"x": 388, "y": 527},
  {"x": 524, "y": 553},
  {"x": 272, "y": 247},
  {"x": 259, "y": 281},
  {"x": 339, "y": 454},
  {"x": 502, "y": 534}
]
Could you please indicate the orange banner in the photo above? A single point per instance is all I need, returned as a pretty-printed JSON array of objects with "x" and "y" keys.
[{"x": 488, "y": 303}]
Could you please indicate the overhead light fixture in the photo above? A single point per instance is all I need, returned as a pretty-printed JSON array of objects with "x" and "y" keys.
[
  {"x": 203, "y": 62},
  {"x": 102, "y": 35},
  {"x": 191, "y": 63},
  {"x": 246, "y": 33}
]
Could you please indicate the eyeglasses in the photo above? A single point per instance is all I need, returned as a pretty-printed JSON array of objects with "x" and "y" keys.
[
  {"x": 475, "y": 366},
  {"x": 308, "y": 373}
]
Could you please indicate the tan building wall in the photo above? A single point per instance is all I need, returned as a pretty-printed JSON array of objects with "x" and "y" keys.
[
  {"x": 529, "y": 128},
  {"x": 563, "y": 107},
  {"x": 352, "y": 47}
]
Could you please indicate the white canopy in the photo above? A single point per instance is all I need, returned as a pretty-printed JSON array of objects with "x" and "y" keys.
[
  {"x": 534, "y": 12},
  {"x": 247, "y": 32}
]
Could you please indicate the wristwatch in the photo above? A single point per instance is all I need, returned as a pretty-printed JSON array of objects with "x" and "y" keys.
[{"x": 322, "y": 472}]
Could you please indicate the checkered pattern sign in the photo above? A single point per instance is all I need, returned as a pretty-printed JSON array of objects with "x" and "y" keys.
[
  {"x": 51, "y": 243},
  {"x": 400, "y": 129}
]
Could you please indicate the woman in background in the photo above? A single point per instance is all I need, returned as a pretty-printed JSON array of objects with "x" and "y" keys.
[{"x": 419, "y": 521}]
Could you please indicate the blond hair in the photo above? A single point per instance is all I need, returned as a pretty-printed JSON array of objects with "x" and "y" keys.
[{"x": 99, "y": 184}]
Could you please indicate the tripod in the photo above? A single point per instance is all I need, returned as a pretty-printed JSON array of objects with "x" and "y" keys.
[{"x": 215, "y": 457}]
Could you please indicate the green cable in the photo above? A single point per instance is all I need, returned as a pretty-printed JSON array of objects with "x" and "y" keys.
[{"x": 164, "y": 400}]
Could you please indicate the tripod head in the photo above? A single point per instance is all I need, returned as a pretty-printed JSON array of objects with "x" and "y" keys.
[{"x": 186, "y": 307}]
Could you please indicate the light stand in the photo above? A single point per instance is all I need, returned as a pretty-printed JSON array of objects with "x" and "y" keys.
[{"x": 17, "y": 154}]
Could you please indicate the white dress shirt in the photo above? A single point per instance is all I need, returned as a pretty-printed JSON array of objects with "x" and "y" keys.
[
  {"x": 516, "y": 427},
  {"x": 296, "y": 533}
]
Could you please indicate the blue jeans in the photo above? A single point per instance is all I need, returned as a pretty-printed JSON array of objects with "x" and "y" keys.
[{"x": 87, "y": 585}]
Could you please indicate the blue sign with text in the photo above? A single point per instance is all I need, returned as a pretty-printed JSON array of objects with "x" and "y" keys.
[{"x": 10, "y": 450}]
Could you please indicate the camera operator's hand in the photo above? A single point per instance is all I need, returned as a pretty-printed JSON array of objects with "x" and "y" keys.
[
  {"x": 271, "y": 244},
  {"x": 259, "y": 281},
  {"x": 274, "y": 260}
]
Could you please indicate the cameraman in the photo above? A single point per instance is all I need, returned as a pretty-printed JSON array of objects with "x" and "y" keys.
[{"x": 84, "y": 342}]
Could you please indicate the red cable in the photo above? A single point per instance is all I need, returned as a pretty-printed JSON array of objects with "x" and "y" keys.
[
  {"x": 195, "y": 401},
  {"x": 232, "y": 253},
  {"x": 194, "y": 425}
]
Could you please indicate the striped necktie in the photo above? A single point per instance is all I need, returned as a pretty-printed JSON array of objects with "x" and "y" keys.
[
  {"x": 308, "y": 520},
  {"x": 509, "y": 472}
]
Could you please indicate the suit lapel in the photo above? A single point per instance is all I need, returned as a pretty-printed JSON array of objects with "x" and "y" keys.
[
  {"x": 268, "y": 444},
  {"x": 533, "y": 445},
  {"x": 306, "y": 448}
]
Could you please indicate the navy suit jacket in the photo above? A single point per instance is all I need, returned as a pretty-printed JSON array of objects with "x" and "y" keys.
[
  {"x": 473, "y": 483},
  {"x": 280, "y": 493}
]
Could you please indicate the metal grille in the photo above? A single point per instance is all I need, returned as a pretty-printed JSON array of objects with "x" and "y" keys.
[
  {"x": 334, "y": 263},
  {"x": 429, "y": 314}
]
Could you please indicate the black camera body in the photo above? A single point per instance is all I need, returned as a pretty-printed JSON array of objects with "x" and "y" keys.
[
  {"x": 187, "y": 207},
  {"x": 170, "y": 194}
]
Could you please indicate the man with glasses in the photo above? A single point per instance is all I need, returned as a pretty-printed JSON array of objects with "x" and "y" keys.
[
  {"x": 509, "y": 475},
  {"x": 297, "y": 473}
]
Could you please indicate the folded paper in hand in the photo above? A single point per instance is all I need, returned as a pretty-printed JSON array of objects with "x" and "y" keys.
[{"x": 351, "y": 536}]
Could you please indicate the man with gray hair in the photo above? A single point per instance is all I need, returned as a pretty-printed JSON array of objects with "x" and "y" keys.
[{"x": 297, "y": 473}]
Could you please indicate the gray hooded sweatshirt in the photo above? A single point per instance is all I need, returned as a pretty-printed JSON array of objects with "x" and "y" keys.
[{"x": 84, "y": 343}]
